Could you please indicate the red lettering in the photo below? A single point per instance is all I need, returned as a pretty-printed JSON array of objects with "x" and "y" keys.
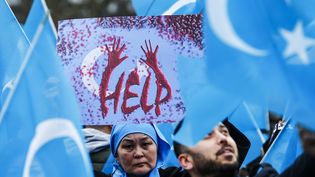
[
  {"x": 144, "y": 97},
  {"x": 115, "y": 95},
  {"x": 133, "y": 79},
  {"x": 114, "y": 60},
  {"x": 161, "y": 82}
]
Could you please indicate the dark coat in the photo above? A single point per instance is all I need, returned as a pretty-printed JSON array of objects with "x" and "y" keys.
[{"x": 303, "y": 166}]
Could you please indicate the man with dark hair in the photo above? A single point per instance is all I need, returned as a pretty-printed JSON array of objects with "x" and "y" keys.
[
  {"x": 201, "y": 161},
  {"x": 221, "y": 152}
]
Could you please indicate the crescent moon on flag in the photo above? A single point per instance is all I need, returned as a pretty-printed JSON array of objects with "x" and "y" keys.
[
  {"x": 9, "y": 85},
  {"x": 176, "y": 6},
  {"x": 48, "y": 131},
  {"x": 87, "y": 70},
  {"x": 219, "y": 21}
]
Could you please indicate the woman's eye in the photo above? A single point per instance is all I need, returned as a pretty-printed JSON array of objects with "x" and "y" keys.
[
  {"x": 128, "y": 147},
  {"x": 146, "y": 144}
]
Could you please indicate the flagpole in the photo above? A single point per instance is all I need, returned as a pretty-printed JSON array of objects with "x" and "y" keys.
[
  {"x": 274, "y": 141},
  {"x": 23, "y": 65},
  {"x": 49, "y": 17},
  {"x": 146, "y": 13},
  {"x": 251, "y": 116}
]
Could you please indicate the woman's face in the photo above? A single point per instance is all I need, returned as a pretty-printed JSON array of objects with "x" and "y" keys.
[{"x": 137, "y": 154}]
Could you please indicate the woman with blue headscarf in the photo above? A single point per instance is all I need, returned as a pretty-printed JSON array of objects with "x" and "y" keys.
[{"x": 139, "y": 150}]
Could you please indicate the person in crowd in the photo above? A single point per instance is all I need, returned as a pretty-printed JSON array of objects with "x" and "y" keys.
[
  {"x": 139, "y": 150},
  {"x": 97, "y": 139},
  {"x": 222, "y": 151}
]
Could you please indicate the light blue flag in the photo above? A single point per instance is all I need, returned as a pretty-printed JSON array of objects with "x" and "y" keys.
[
  {"x": 205, "y": 104},
  {"x": 267, "y": 47},
  {"x": 167, "y": 7},
  {"x": 285, "y": 148},
  {"x": 168, "y": 129},
  {"x": 13, "y": 47},
  {"x": 241, "y": 55},
  {"x": 244, "y": 118},
  {"x": 261, "y": 115},
  {"x": 294, "y": 36},
  {"x": 33, "y": 19},
  {"x": 39, "y": 122},
  {"x": 142, "y": 7}
]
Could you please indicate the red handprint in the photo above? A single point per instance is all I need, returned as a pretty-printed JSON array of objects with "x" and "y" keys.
[
  {"x": 114, "y": 60},
  {"x": 152, "y": 62}
]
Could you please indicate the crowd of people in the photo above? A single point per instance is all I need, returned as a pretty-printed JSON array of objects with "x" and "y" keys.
[{"x": 140, "y": 150}]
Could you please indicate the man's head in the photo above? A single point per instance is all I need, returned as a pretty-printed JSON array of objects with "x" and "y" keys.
[{"x": 214, "y": 155}]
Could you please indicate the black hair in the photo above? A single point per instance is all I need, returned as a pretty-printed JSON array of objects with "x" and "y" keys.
[
  {"x": 179, "y": 148},
  {"x": 242, "y": 142}
]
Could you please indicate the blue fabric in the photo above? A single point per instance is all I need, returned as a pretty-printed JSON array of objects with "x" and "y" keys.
[
  {"x": 120, "y": 131},
  {"x": 40, "y": 131},
  {"x": 296, "y": 19},
  {"x": 268, "y": 55},
  {"x": 203, "y": 101},
  {"x": 244, "y": 118},
  {"x": 285, "y": 148},
  {"x": 246, "y": 63},
  {"x": 167, "y": 129},
  {"x": 13, "y": 47},
  {"x": 33, "y": 19},
  {"x": 166, "y": 7}
]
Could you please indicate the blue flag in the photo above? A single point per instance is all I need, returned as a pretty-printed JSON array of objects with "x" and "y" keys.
[
  {"x": 142, "y": 7},
  {"x": 245, "y": 119},
  {"x": 168, "y": 129},
  {"x": 205, "y": 104},
  {"x": 241, "y": 55},
  {"x": 33, "y": 19},
  {"x": 13, "y": 47},
  {"x": 39, "y": 122},
  {"x": 167, "y": 7},
  {"x": 294, "y": 32},
  {"x": 285, "y": 148},
  {"x": 268, "y": 55}
]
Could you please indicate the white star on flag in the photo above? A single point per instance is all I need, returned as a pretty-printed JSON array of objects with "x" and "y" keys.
[{"x": 297, "y": 43}]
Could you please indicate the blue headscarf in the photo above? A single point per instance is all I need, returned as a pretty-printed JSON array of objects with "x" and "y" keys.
[{"x": 120, "y": 131}]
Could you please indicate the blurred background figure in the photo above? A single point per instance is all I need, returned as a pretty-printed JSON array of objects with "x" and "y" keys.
[{"x": 67, "y": 9}]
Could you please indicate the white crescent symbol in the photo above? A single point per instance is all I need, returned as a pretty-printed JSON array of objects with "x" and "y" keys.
[
  {"x": 179, "y": 4},
  {"x": 87, "y": 70},
  {"x": 223, "y": 29},
  {"x": 49, "y": 130},
  {"x": 8, "y": 85}
]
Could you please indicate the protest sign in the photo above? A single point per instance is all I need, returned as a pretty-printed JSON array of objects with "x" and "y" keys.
[{"x": 124, "y": 70}]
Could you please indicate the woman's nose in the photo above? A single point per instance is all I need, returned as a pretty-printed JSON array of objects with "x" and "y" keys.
[{"x": 138, "y": 152}]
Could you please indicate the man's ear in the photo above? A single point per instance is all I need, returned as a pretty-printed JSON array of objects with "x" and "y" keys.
[{"x": 186, "y": 161}]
